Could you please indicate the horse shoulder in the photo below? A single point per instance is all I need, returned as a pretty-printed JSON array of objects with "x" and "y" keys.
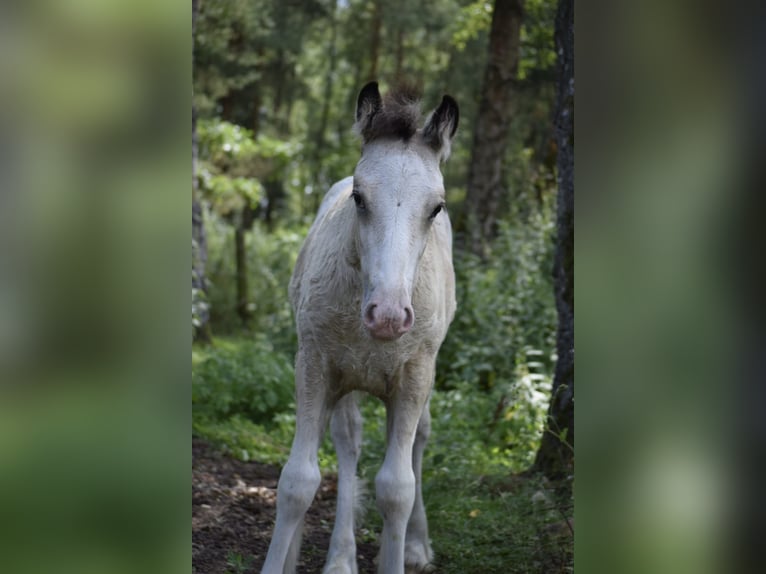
[{"x": 334, "y": 194}]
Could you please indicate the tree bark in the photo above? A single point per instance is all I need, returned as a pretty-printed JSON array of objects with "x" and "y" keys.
[
  {"x": 485, "y": 181},
  {"x": 377, "y": 25},
  {"x": 319, "y": 137},
  {"x": 279, "y": 69},
  {"x": 240, "y": 252},
  {"x": 199, "y": 257},
  {"x": 555, "y": 458},
  {"x": 256, "y": 114}
]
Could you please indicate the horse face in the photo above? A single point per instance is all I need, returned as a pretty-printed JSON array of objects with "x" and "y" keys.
[{"x": 398, "y": 195}]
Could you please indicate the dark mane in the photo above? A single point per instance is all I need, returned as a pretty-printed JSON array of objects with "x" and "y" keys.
[{"x": 398, "y": 118}]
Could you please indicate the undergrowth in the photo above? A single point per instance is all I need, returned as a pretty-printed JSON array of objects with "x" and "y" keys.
[{"x": 480, "y": 520}]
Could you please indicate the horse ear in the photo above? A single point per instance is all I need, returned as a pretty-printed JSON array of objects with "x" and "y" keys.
[
  {"x": 368, "y": 104},
  {"x": 441, "y": 126}
]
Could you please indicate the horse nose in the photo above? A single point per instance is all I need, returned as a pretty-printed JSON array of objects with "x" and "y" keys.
[{"x": 388, "y": 322}]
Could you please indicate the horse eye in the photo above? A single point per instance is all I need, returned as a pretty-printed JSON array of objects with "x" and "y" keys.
[
  {"x": 436, "y": 211},
  {"x": 357, "y": 199}
]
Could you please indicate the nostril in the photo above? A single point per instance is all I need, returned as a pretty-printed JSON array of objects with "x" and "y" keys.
[
  {"x": 409, "y": 318},
  {"x": 369, "y": 314}
]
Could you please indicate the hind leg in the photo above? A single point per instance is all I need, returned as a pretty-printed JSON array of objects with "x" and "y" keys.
[
  {"x": 417, "y": 547},
  {"x": 300, "y": 477},
  {"x": 346, "y": 429}
]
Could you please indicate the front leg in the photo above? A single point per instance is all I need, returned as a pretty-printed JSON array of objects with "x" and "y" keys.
[
  {"x": 395, "y": 483},
  {"x": 300, "y": 477},
  {"x": 346, "y": 428}
]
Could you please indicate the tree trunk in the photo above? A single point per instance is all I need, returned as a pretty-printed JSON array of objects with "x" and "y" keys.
[
  {"x": 256, "y": 113},
  {"x": 279, "y": 70},
  {"x": 280, "y": 76},
  {"x": 377, "y": 25},
  {"x": 243, "y": 225},
  {"x": 555, "y": 458},
  {"x": 199, "y": 261},
  {"x": 199, "y": 256},
  {"x": 275, "y": 198},
  {"x": 485, "y": 181},
  {"x": 399, "y": 71},
  {"x": 319, "y": 137}
]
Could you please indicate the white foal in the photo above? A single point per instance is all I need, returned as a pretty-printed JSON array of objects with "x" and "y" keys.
[{"x": 373, "y": 293}]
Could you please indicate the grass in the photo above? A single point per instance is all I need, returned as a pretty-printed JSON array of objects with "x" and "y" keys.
[
  {"x": 482, "y": 519},
  {"x": 237, "y": 563}
]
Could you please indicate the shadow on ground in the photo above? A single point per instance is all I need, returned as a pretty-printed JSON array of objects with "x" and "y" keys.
[{"x": 233, "y": 512}]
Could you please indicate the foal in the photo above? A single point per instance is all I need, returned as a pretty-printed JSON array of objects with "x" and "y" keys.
[{"x": 373, "y": 293}]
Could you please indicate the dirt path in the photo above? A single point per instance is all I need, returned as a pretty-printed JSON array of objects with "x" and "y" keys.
[{"x": 233, "y": 511}]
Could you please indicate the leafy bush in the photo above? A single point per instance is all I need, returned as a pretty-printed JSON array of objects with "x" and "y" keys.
[
  {"x": 271, "y": 258},
  {"x": 494, "y": 369},
  {"x": 236, "y": 170},
  {"x": 232, "y": 148},
  {"x": 245, "y": 440},
  {"x": 505, "y": 307},
  {"x": 248, "y": 379},
  {"x": 243, "y": 401}
]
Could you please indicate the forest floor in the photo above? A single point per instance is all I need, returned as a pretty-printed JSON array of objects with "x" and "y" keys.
[{"x": 233, "y": 511}]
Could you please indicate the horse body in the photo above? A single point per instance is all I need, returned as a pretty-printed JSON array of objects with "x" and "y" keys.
[
  {"x": 373, "y": 293},
  {"x": 326, "y": 294}
]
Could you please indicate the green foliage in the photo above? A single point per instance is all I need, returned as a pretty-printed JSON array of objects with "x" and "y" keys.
[
  {"x": 243, "y": 400},
  {"x": 243, "y": 46},
  {"x": 479, "y": 522},
  {"x": 505, "y": 306},
  {"x": 232, "y": 165},
  {"x": 231, "y": 194},
  {"x": 223, "y": 60},
  {"x": 271, "y": 258},
  {"x": 232, "y": 147},
  {"x": 248, "y": 379},
  {"x": 473, "y": 433},
  {"x": 238, "y": 563},
  {"x": 472, "y": 20},
  {"x": 537, "y": 46},
  {"x": 490, "y": 524},
  {"x": 243, "y": 439}
]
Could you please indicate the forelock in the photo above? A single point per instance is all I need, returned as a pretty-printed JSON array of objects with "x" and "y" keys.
[{"x": 398, "y": 118}]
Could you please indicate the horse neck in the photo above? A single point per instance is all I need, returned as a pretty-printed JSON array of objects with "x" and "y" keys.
[{"x": 348, "y": 235}]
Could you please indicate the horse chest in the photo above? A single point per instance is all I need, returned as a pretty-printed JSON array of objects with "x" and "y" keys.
[{"x": 371, "y": 367}]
